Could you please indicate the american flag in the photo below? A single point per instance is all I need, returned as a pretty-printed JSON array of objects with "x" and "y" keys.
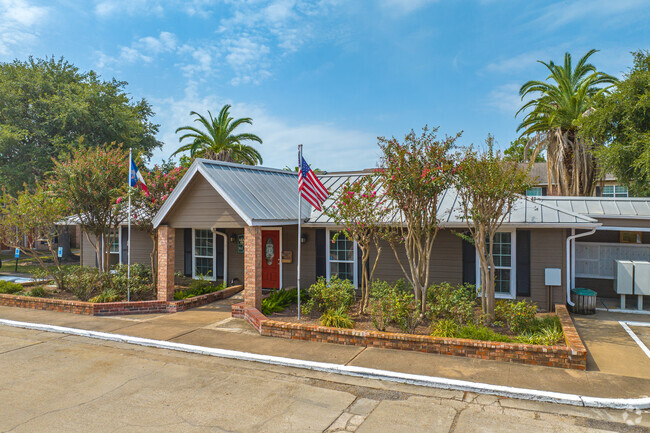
[{"x": 310, "y": 187}]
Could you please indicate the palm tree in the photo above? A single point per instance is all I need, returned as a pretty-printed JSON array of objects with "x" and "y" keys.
[
  {"x": 565, "y": 97},
  {"x": 218, "y": 140}
]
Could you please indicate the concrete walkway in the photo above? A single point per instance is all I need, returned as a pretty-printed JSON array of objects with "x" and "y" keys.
[{"x": 211, "y": 326}]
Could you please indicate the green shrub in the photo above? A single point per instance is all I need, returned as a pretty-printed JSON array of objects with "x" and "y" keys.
[
  {"x": 9, "y": 287},
  {"x": 108, "y": 295},
  {"x": 385, "y": 302},
  {"x": 338, "y": 318},
  {"x": 37, "y": 292},
  {"x": 446, "y": 302},
  {"x": 85, "y": 282},
  {"x": 197, "y": 288},
  {"x": 141, "y": 281},
  {"x": 546, "y": 331},
  {"x": 518, "y": 316},
  {"x": 278, "y": 301},
  {"x": 444, "y": 328},
  {"x": 329, "y": 295},
  {"x": 474, "y": 332}
]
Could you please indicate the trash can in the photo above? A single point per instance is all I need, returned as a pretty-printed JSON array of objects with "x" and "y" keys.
[{"x": 584, "y": 300}]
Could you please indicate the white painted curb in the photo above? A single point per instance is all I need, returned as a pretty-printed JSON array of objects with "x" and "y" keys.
[{"x": 369, "y": 373}]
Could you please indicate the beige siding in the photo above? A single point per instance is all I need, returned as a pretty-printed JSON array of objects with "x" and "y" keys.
[
  {"x": 446, "y": 260},
  {"x": 200, "y": 206},
  {"x": 308, "y": 261},
  {"x": 547, "y": 250},
  {"x": 623, "y": 222}
]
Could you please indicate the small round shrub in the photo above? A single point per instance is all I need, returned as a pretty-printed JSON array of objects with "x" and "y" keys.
[
  {"x": 330, "y": 295},
  {"x": 9, "y": 287},
  {"x": 518, "y": 316},
  {"x": 444, "y": 328},
  {"x": 338, "y": 318},
  {"x": 454, "y": 303},
  {"x": 38, "y": 292}
]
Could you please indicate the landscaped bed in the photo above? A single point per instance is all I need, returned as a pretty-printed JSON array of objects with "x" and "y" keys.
[{"x": 452, "y": 324}]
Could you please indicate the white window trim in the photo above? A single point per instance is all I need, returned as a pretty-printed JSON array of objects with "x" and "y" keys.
[
  {"x": 119, "y": 244},
  {"x": 513, "y": 268},
  {"x": 614, "y": 193},
  {"x": 355, "y": 266},
  {"x": 214, "y": 254},
  {"x": 279, "y": 252}
]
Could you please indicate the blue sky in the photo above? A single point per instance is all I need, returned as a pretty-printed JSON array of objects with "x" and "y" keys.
[{"x": 330, "y": 74}]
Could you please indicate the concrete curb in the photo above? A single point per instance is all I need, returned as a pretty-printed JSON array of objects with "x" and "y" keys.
[{"x": 368, "y": 373}]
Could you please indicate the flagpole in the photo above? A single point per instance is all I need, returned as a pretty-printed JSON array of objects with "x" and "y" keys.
[
  {"x": 299, "y": 226},
  {"x": 128, "y": 242}
]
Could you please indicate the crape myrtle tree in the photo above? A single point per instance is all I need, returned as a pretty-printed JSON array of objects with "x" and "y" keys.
[
  {"x": 35, "y": 215},
  {"x": 47, "y": 105},
  {"x": 488, "y": 186},
  {"x": 361, "y": 210},
  {"x": 415, "y": 173},
  {"x": 90, "y": 181},
  {"x": 161, "y": 181}
]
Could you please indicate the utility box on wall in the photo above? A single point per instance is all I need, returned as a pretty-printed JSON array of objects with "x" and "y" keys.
[{"x": 553, "y": 277}]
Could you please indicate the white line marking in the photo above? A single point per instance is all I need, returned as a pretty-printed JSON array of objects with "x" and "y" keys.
[
  {"x": 634, "y": 336},
  {"x": 349, "y": 370}
]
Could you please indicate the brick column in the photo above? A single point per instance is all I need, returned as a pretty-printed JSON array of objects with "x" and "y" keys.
[
  {"x": 253, "y": 267},
  {"x": 166, "y": 257}
]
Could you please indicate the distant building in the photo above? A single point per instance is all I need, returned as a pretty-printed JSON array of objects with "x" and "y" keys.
[{"x": 607, "y": 187}]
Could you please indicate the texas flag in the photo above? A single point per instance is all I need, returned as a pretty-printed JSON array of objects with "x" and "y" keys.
[{"x": 136, "y": 179}]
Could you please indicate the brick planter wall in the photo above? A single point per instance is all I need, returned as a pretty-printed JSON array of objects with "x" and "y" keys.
[
  {"x": 573, "y": 356},
  {"x": 115, "y": 308}
]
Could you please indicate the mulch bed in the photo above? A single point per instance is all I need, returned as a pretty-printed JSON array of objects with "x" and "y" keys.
[{"x": 364, "y": 322}]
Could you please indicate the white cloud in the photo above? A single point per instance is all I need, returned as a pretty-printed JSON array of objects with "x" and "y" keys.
[
  {"x": 108, "y": 8},
  {"x": 519, "y": 62},
  {"x": 326, "y": 145},
  {"x": 404, "y": 7},
  {"x": 506, "y": 98},
  {"x": 608, "y": 12},
  {"x": 144, "y": 49},
  {"x": 18, "y": 19}
]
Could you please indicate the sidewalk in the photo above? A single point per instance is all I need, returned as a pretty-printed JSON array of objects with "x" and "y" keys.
[{"x": 212, "y": 326}]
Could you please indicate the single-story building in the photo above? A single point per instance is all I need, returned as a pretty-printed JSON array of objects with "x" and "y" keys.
[{"x": 238, "y": 223}]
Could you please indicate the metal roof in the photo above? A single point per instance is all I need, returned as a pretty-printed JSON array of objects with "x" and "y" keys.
[
  {"x": 525, "y": 212},
  {"x": 603, "y": 207},
  {"x": 259, "y": 195}
]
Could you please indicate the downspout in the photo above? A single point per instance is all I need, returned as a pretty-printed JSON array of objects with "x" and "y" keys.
[{"x": 569, "y": 256}]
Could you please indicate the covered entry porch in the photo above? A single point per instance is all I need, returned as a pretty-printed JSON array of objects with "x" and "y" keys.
[{"x": 221, "y": 224}]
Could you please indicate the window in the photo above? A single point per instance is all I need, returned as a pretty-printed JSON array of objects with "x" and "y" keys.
[
  {"x": 342, "y": 258},
  {"x": 114, "y": 239},
  {"x": 534, "y": 191},
  {"x": 504, "y": 258},
  {"x": 203, "y": 254},
  {"x": 615, "y": 191}
]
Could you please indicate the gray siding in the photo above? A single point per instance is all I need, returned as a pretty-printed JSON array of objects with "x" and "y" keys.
[
  {"x": 200, "y": 206},
  {"x": 141, "y": 247}
]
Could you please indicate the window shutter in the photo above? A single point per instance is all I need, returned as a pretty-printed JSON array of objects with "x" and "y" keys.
[
  {"x": 469, "y": 262},
  {"x": 219, "y": 253},
  {"x": 523, "y": 263},
  {"x": 597, "y": 191},
  {"x": 321, "y": 260},
  {"x": 187, "y": 249},
  {"x": 544, "y": 190},
  {"x": 124, "y": 254}
]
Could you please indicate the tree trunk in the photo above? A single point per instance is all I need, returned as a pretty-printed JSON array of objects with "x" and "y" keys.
[{"x": 154, "y": 259}]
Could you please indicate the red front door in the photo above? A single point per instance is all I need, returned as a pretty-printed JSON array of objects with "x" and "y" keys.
[{"x": 271, "y": 259}]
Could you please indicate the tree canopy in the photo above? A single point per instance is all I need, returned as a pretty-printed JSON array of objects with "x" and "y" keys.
[
  {"x": 558, "y": 104},
  {"x": 218, "y": 140},
  {"x": 620, "y": 122},
  {"x": 519, "y": 151},
  {"x": 48, "y": 106}
]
